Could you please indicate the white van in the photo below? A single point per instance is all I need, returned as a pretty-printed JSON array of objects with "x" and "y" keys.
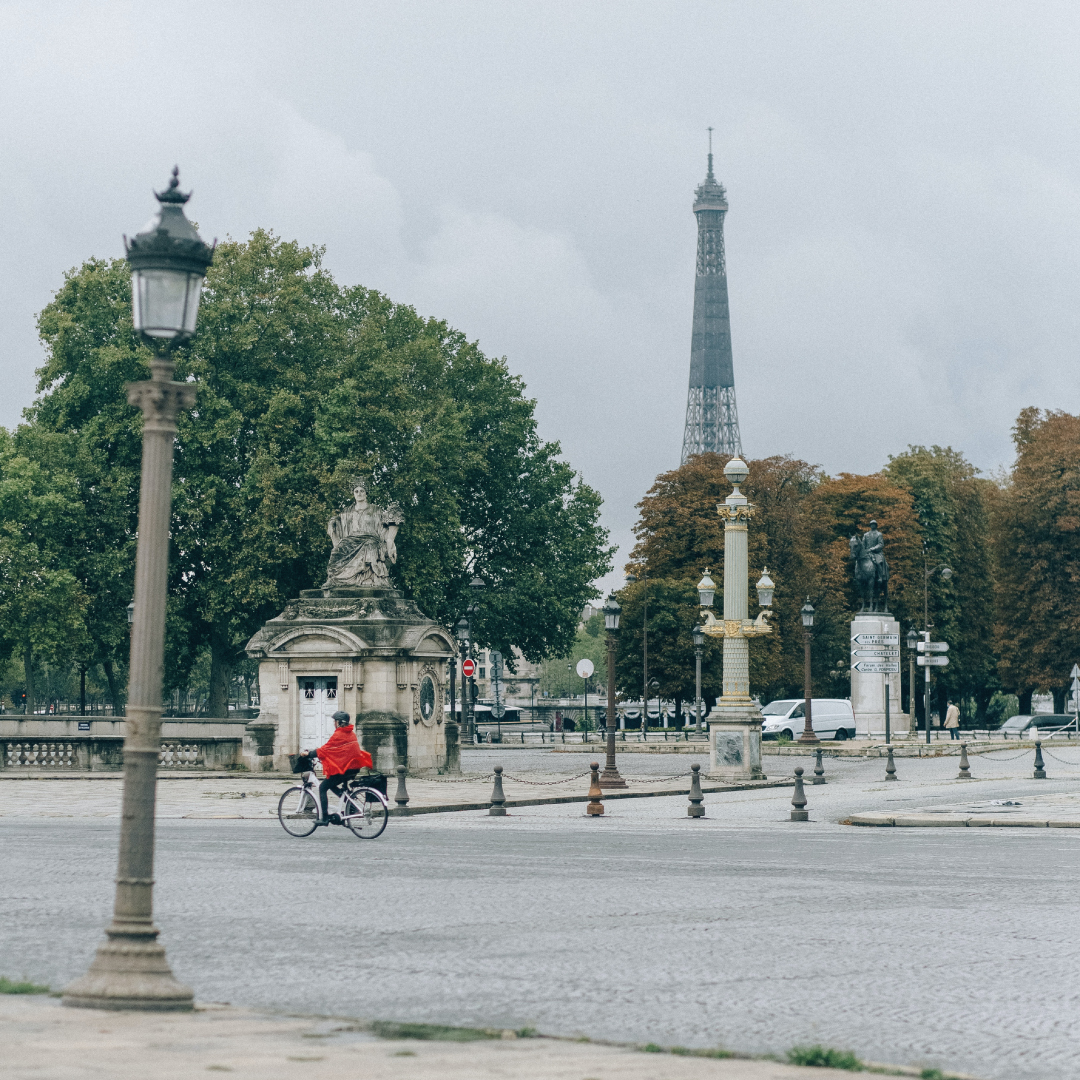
[{"x": 833, "y": 718}]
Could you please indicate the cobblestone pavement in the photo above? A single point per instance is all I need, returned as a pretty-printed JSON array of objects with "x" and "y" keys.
[
  {"x": 44, "y": 1041},
  {"x": 944, "y": 948}
]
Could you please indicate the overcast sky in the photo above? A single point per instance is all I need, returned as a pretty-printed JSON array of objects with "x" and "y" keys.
[{"x": 903, "y": 181}]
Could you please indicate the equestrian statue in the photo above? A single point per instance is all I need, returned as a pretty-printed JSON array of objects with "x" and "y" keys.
[{"x": 871, "y": 569}]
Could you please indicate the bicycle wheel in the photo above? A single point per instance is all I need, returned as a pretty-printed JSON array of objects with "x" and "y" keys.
[
  {"x": 298, "y": 812},
  {"x": 365, "y": 813}
]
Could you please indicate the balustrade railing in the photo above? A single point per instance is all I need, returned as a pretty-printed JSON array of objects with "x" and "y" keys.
[{"x": 41, "y": 755}]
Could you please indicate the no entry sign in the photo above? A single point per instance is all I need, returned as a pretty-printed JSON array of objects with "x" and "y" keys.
[{"x": 468, "y": 668}]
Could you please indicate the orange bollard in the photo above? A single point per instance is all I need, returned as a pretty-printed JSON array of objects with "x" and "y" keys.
[{"x": 595, "y": 807}]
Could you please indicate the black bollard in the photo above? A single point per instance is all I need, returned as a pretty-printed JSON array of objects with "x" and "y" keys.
[
  {"x": 819, "y": 769},
  {"x": 965, "y": 769},
  {"x": 890, "y": 768},
  {"x": 1040, "y": 771},
  {"x": 401, "y": 796},
  {"x": 595, "y": 807},
  {"x": 798, "y": 800},
  {"x": 498, "y": 799},
  {"x": 695, "y": 809}
]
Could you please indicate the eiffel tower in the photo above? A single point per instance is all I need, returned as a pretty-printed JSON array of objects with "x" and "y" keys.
[{"x": 712, "y": 421}]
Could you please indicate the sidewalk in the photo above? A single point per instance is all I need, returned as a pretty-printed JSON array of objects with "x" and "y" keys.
[
  {"x": 45, "y": 1041},
  {"x": 1060, "y": 811},
  {"x": 255, "y": 796}
]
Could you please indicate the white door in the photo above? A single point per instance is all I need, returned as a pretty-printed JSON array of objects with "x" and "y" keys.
[{"x": 318, "y": 703}]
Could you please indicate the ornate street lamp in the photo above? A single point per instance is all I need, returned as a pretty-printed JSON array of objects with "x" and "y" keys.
[
  {"x": 168, "y": 262},
  {"x": 913, "y": 645},
  {"x": 765, "y": 589},
  {"x": 706, "y": 588},
  {"x": 807, "y": 613},
  {"x": 698, "y": 636},
  {"x": 610, "y": 777}
]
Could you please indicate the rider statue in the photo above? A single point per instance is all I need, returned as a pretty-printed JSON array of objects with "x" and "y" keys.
[
  {"x": 871, "y": 569},
  {"x": 363, "y": 537}
]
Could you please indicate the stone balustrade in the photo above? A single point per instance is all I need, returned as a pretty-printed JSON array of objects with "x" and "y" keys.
[{"x": 106, "y": 753}]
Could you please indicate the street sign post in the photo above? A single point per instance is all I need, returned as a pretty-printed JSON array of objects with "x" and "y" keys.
[
  {"x": 884, "y": 653},
  {"x": 468, "y": 668},
  {"x": 933, "y": 661},
  {"x": 933, "y": 646},
  {"x": 876, "y": 639}
]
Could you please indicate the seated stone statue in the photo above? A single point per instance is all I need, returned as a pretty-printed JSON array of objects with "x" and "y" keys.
[{"x": 363, "y": 537}]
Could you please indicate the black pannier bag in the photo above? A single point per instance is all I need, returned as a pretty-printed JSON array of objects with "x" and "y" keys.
[
  {"x": 375, "y": 780},
  {"x": 300, "y": 763}
]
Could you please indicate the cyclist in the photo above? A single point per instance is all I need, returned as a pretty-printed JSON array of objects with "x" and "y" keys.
[{"x": 342, "y": 759}]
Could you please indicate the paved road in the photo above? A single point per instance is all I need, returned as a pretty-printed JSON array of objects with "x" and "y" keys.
[{"x": 948, "y": 948}]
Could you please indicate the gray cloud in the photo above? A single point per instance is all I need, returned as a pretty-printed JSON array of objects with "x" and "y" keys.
[{"x": 903, "y": 180}]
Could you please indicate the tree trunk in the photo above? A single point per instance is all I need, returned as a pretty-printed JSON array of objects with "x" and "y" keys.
[
  {"x": 982, "y": 700},
  {"x": 28, "y": 679},
  {"x": 221, "y": 657},
  {"x": 114, "y": 693},
  {"x": 1060, "y": 695},
  {"x": 678, "y": 712},
  {"x": 1024, "y": 697}
]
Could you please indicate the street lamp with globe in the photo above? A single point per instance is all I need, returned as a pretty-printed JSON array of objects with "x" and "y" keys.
[
  {"x": 610, "y": 777},
  {"x": 168, "y": 263},
  {"x": 807, "y": 614},
  {"x": 698, "y": 636}
]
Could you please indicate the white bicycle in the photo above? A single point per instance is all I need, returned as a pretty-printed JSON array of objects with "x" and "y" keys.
[{"x": 363, "y": 809}]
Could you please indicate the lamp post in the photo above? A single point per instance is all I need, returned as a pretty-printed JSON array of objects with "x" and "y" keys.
[
  {"x": 168, "y": 263},
  {"x": 698, "y": 636},
  {"x": 913, "y": 645},
  {"x": 610, "y": 777},
  {"x": 630, "y": 579},
  {"x": 461, "y": 632},
  {"x": 807, "y": 613},
  {"x": 946, "y": 573}
]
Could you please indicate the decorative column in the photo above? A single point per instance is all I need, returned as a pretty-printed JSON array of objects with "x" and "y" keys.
[
  {"x": 735, "y": 723},
  {"x": 610, "y": 777}
]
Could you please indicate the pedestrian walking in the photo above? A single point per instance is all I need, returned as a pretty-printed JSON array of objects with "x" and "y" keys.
[{"x": 952, "y": 721}]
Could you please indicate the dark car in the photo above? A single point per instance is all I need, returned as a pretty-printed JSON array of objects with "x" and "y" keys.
[{"x": 1023, "y": 725}]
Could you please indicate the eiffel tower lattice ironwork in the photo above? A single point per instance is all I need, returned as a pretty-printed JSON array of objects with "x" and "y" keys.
[{"x": 712, "y": 421}]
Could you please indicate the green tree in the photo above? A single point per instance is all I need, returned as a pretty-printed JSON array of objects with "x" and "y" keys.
[
  {"x": 42, "y": 606},
  {"x": 952, "y": 505},
  {"x": 302, "y": 385}
]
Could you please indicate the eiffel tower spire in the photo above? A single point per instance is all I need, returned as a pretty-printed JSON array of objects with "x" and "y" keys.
[{"x": 712, "y": 421}]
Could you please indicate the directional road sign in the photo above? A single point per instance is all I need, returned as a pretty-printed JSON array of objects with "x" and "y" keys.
[
  {"x": 498, "y": 710},
  {"x": 468, "y": 668},
  {"x": 933, "y": 661},
  {"x": 495, "y": 659},
  {"x": 883, "y": 653},
  {"x": 933, "y": 646},
  {"x": 876, "y": 639},
  {"x": 878, "y": 667},
  {"x": 585, "y": 668},
  {"x": 1075, "y": 673}
]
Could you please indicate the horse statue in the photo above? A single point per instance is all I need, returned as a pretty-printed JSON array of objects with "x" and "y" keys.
[{"x": 871, "y": 569}]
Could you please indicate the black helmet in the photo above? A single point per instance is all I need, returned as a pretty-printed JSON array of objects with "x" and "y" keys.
[{"x": 341, "y": 718}]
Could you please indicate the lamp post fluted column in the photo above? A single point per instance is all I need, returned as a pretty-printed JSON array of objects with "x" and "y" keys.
[
  {"x": 807, "y": 735},
  {"x": 610, "y": 777},
  {"x": 168, "y": 262}
]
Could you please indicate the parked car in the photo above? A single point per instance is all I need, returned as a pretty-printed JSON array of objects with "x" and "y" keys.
[
  {"x": 1022, "y": 725},
  {"x": 832, "y": 718}
]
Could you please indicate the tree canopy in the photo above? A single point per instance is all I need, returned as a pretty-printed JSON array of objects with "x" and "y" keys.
[{"x": 302, "y": 385}]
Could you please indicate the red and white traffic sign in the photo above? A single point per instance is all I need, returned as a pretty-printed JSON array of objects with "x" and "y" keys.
[{"x": 468, "y": 668}]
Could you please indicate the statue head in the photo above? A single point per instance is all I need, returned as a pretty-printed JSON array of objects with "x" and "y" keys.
[
  {"x": 359, "y": 490},
  {"x": 873, "y": 526}
]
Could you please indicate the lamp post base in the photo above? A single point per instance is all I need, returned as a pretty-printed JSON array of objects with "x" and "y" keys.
[
  {"x": 130, "y": 972},
  {"x": 612, "y": 779},
  {"x": 806, "y": 738}
]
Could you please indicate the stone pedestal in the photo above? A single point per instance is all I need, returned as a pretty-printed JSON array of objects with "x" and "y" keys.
[
  {"x": 369, "y": 652},
  {"x": 875, "y": 644},
  {"x": 735, "y": 743}
]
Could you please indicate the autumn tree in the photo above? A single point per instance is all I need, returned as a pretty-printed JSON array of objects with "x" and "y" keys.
[{"x": 1036, "y": 542}]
